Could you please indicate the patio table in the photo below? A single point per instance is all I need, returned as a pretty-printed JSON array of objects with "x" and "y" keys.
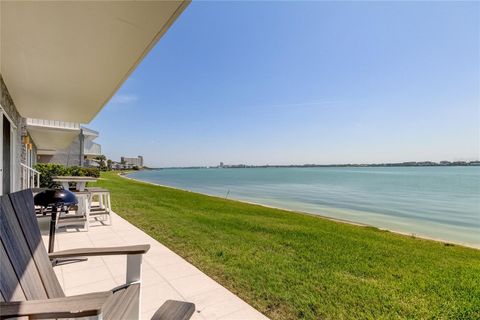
[{"x": 80, "y": 182}]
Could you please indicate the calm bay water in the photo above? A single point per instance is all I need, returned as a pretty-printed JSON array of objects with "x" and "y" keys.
[{"x": 437, "y": 202}]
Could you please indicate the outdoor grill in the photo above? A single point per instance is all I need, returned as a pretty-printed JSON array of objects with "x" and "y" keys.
[{"x": 60, "y": 200}]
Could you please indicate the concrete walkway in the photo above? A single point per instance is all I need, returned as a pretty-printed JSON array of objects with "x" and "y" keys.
[{"x": 165, "y": 275}]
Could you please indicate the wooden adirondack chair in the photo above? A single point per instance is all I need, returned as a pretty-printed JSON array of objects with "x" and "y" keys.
[{"x": 30, "y": 289}]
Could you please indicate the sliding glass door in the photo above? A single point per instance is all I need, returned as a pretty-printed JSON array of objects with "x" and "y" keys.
[
  {"x": 1, "y": 152},
  {"x": 7, "y": 155}
]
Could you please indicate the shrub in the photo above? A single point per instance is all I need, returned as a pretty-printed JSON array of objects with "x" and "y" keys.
[
  {"x": 76, "y": 171},
  {"x": 92, "y": 172},
  {"x": 49, "y": 170},
  {"x": 81, "y": 172}
]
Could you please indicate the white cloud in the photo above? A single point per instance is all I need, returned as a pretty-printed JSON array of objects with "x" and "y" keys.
[{"x": 124, "y": 99}]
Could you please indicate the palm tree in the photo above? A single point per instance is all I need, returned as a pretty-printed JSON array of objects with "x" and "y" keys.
[{"x": 102, "y": 159}]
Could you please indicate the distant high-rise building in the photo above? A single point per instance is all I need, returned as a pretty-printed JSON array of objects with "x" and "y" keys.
[
  {"x": 221, "y": 165},
  {"x": 138, "y": 161}
]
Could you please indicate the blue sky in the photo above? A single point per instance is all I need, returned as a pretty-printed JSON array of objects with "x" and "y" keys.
[{"x": 304, "y": 82}]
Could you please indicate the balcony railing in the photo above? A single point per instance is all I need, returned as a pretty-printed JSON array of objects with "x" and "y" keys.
[
  {"x": 92, "y": 148},
  {"x": 53, "y": 124},
  {"x": 30, "y": 178}
]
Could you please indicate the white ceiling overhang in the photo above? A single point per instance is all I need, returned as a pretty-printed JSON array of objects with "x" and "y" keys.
[
  {"x": 51, "y": 138},
  {"x": 65, "y": 60}
]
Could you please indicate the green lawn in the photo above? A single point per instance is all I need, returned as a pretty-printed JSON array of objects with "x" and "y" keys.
[{"x": 297, "y": 266}]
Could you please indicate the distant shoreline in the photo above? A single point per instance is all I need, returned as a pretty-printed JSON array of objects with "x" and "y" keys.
[
  {"x": 370, "y": 165},
  {"x": 446, "y": 242}
]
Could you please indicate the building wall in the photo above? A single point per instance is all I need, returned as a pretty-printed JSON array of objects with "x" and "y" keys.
[
  {"x": 133, "y": 161},
  {"x": 8, "y": 106},
  {"x": 26, "y": 158},
  {"x": 74, "y": 155},
  {"x": 69, "y": 157}
]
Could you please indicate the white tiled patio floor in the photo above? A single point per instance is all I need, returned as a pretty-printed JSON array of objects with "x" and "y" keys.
[{"x": 165, "y": 275}]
